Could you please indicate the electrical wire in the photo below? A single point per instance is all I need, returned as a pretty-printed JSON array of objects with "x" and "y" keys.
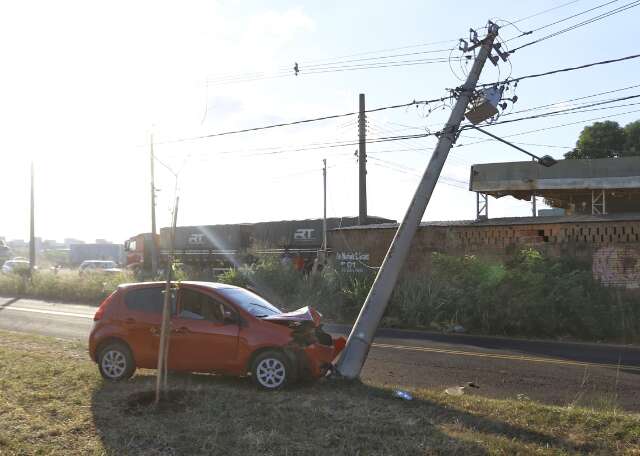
[
  {"x": 560, "y": 70},
  {"x": 544, "y": 11},
  {"x": 537, "y": 130},
  {"x": 580, "y": 24},
  {"x": 575, "y": 110},
  {"x": 299, "y": 122},
  {"x": 535, "y": 108}
]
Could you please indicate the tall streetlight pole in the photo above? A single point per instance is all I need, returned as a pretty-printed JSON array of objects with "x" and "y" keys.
[{"x": 355, "y": 353}]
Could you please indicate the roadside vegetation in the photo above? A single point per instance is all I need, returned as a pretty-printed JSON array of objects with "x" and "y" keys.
[
  {"x": 53, "y": 401},
  {"x": 65, "y": 285},
  {"x": 529, "y": 295}
]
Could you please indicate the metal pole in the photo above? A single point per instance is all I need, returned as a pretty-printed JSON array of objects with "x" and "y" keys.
[
  {"x": 32, "y": 237},
  {"x": 154, "y": 246},
  {"x": 324, "y": 218},
  {"x": 355, "y": 353},
  {"x": 362, "y": 163}
]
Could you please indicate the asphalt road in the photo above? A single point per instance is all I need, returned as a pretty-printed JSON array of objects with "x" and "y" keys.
[{"x": 551, "y": 372}]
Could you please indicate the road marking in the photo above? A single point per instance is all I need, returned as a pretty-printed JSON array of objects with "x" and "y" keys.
[
  {"x": 50, "y": 312},
  {"x": 507, "y": 357},
  {"x": 397, "y": 347}
]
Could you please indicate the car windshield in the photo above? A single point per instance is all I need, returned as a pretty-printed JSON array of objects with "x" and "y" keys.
[{"x": 251, "y": 302}]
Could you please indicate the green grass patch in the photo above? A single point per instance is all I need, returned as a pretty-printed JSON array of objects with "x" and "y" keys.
[
  {"x": 66, "y": 285},
  {"x": 53, "y": 401}
]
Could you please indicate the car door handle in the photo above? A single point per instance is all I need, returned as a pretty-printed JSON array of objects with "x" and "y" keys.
[
  {"x": 130, "y": 321},
  {"x": 155, "y": 331},
  {"x": 181, "y": 330}
]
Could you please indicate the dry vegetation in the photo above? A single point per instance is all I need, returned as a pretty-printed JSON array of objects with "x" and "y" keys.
[{"x": 52, "y": 401}]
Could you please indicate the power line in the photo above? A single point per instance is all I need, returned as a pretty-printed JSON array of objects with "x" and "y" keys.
[
  {"x": 559, "y": 21},
  {"x": 561, "y": 70},
  {"x": 336, "y": 69},
  {"x": 298, "y": 122},
  {"x": 575, "y": 110},
  {"x": 537, "y": 130},
  {"x": 302, "y": 66},
  {"x": 535, "y": 108},
  {"x": 544, "y": 11},
  {"x": 443, "y": 179},
  {"x": 580, "y": 24}
]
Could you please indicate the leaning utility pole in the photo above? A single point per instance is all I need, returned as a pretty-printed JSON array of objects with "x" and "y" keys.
[
  {"x": 154, "y": 246},
  {"x": 324, "y": 218},
  {"x": 355, "y": 353},
  {"x": 32, "y": 236},
  {"x": 362, "y": 163}
]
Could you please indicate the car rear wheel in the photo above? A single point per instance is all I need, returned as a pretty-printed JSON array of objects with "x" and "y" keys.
[
  {"x": 271, "y": 370},
  {"x": 115, "y": 362}
]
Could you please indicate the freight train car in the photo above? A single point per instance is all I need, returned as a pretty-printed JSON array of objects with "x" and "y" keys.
[{"x": 220, "y": 247}]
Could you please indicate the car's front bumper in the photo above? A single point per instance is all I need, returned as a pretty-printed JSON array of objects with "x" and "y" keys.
[{"x": 319, "y": 357}]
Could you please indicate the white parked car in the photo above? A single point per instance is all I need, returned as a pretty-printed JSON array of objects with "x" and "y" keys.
[
  {"x": 101, "y": 266},
  {"x": 15, "y": 266}
]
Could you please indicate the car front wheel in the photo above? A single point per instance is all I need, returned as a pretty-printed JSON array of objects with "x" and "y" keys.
[
  {"x": 116, "y": 362},
  {"x": 271, "y": 370}
]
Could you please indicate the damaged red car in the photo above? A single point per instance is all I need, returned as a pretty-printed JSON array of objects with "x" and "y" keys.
[{"x": 214, "y": 328}]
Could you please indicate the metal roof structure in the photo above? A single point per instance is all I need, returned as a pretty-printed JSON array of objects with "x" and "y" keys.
[{"x": 596, "y": 186}]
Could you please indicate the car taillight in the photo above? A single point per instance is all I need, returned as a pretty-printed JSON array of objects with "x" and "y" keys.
[{"x": 100, "y": 312}]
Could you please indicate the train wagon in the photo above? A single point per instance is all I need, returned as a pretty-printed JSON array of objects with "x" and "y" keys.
[{"x": 220, "y": 247}]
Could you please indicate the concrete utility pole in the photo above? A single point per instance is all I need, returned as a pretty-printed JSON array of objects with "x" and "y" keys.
[
  {"x": 154, "y": 246},
  {"x": 534, "y": 210},
  {"x": 362, "y": 163},
  {"x": 32, "y": 236},
  {"x": 324, "y": 218},
  {"x": 355, "y": 353}
]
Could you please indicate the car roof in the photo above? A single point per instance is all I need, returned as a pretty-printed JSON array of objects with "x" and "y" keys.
[{"x": 210, "y": 285}]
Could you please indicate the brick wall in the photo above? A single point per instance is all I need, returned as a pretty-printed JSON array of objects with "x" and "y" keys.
[{"x": 612, "y": 247}]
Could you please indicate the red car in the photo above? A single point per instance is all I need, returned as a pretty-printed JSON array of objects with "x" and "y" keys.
[{"x": 214, "y": 328}]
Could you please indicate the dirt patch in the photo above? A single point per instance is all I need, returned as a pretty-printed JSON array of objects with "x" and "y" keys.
[{"x": 172, "y": 401}]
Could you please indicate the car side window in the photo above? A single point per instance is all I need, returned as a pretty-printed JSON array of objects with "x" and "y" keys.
[
  {"x": 150, "y": 300},
  {"x": 199, "y": 306}
]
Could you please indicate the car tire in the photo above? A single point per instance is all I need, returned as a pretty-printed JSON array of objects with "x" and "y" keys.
[
  {"x": 115, "y": 362},
  {"x": 271, "y": 370}
]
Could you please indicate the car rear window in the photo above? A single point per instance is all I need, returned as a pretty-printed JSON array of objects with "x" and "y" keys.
[{"x": 145, "y": 300}]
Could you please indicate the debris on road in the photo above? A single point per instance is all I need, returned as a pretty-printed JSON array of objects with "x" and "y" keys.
[
  {"x": 460, "y": 390},
  {"x": 403, "y": 395}
]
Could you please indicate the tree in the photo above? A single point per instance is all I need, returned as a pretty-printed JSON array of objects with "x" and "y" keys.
[
  {"x": 601, "y": 140},
  {"x": 632, "y": 143}
]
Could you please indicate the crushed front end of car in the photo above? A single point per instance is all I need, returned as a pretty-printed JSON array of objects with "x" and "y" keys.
[{"x": 312, "y": 348}]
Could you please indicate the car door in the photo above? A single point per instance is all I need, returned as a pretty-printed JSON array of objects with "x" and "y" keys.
[
  {"x": 141, "y": 320},
  {"x": 201, "y": 339}
]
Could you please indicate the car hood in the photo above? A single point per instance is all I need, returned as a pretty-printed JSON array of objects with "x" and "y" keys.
[{"x": 301, "y": 315}]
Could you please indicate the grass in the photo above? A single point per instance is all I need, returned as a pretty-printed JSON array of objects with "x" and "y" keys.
[
  {"x": 65, "y": 286},
  {"x": 53, "y": 401}
]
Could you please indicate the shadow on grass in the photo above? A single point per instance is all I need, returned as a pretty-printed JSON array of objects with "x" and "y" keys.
[{"x": 206, "y": 414}]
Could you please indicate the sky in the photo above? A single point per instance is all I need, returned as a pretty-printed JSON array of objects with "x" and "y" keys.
[{"x": 84, "y": 85}]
